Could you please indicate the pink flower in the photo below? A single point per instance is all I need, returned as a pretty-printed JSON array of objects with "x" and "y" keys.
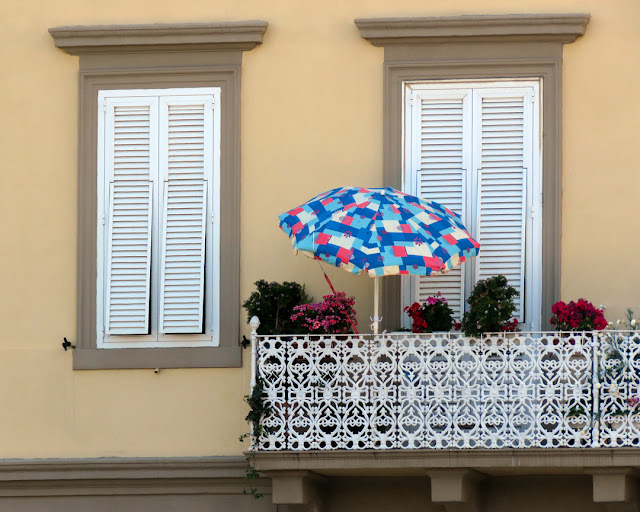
[{"x": 331, "y": 316}]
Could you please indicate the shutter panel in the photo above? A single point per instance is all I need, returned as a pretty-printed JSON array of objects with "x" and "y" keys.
[
  {"x": 502, "y": 150},
  {"x": 129, "y": 166},
  {"x": 441, "y": 143},
  {"x": 186, "y": 157}
]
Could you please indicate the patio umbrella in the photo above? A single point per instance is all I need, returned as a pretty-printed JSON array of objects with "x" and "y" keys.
[{"x": 380, "y": 231}]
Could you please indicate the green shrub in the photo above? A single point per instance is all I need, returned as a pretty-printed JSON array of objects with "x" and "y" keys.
[
  {"x": 273, "y": 304},
  {"x": 434, "y": 315},
  {"x": 491, "y": 307}
]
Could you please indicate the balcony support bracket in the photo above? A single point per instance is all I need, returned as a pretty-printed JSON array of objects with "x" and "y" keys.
[
  {"x": 456, "y": 489},
  {"x": 298, "y": 491},
  {"x": 616, "y": 489}
]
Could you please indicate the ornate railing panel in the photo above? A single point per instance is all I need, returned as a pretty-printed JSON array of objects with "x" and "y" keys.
[{"x": 437, "y": 391}]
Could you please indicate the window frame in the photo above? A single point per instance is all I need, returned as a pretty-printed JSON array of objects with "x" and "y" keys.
[
  {"x": 211, "y": 334},
  {"x": 490, "y": 47},
  {"x": 532, "y": 239},
  {"x": 159, "y": 57}
]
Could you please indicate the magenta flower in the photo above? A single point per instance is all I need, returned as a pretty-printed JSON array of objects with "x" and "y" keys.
[{"x": 331, "y": 316}]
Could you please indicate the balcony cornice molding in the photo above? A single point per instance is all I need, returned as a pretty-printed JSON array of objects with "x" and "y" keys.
[
  {"x": 558, "y": 28},
  {"x": 530, "y": 461},
  {"x": 92, "y": 39}
]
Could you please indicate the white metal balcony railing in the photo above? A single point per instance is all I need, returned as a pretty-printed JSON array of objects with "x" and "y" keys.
[{"x": 411, "y": 391}]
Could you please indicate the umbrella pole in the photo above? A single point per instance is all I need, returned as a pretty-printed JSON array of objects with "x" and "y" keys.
[{"x": 376, "y": 306}]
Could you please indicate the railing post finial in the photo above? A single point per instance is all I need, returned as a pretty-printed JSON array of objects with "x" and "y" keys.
[{"x": 254, "y": 323}]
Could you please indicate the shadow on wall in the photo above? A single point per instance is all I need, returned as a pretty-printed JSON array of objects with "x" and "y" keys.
[{"x": 500, "y": 494}]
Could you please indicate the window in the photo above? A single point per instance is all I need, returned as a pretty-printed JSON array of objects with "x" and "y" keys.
[
  {"x": 475, "y": 147},
  {"x": 158, "y": 191},
  {"x": 146, "y": 74},
  {"x": 475, "y": 49}
]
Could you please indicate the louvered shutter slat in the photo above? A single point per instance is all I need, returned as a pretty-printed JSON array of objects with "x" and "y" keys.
[
  {"x": 502, "y": 140},
  {"x": 441, "y": 138},
  {"x": 186, "y": 154},
  {"x": 129, "y": 163}
]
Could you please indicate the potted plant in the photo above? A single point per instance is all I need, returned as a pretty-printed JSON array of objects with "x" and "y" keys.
[
  {"x": 491, "y": 307},
  {"x": 434, "y": 314},
  {"x": 577, "y": 316},
  {"x": 273, "y": 304},
  {"x": 333, "y": 315}
]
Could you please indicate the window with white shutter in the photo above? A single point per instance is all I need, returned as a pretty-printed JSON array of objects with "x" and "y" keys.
[
  {"x": 158, "y": 183},
  {"x": 475, "y": 147}
]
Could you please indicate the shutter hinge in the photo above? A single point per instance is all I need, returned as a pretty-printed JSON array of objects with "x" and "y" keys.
[
  {"x": 103, "y": 219},
  {"x": 533, "y": 209}
]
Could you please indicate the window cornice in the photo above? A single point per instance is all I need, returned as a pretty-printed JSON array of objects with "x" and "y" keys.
[
  {"x": 79, "y": 40},
  {"x": 559, "y": 28}
]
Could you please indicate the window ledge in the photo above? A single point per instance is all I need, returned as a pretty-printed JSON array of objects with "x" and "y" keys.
[
  {"x": 78, "y": 40},
  {"x": 559, "y": 28},
  {"x": 141, "y": 358}
]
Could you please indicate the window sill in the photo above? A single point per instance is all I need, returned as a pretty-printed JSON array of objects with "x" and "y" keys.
[{"x": 145, "y": 358}]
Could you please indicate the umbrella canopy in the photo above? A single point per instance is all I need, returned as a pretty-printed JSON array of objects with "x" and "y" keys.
[{"x": 381, "y": 231}]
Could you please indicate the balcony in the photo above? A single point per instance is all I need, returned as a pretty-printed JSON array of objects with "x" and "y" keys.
[
  {"x": 446, "y": 391},
  {"x": 459, "y": 410}
]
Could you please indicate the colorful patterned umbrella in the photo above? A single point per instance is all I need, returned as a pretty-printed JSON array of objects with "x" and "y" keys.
[{"x": 381, "y": 231}]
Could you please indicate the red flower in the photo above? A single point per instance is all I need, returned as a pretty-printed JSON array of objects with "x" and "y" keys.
[
  {"x": 577, "y": 316},
  {"x": 434, "y": 308},
  {"x": 511, "y": 326}
]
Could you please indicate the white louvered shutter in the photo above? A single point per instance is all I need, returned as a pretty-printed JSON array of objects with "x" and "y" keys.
[
  {"x": 441, "y": 148},
  {"x": 130, "y": 160},
  {"x": 502, "y": 158},
  {"x": 186, "y": 159}
]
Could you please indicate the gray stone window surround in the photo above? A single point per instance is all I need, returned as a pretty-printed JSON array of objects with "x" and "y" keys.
[
  {"x": 511, "y": 46},
  {"x": 159, "y": 56}
]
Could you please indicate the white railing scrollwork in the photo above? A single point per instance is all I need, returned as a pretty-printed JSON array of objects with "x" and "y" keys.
[{"x": 447, "y": 391}]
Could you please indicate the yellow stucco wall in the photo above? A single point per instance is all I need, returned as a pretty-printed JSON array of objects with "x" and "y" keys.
[{"x": 311, "y": 120}]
